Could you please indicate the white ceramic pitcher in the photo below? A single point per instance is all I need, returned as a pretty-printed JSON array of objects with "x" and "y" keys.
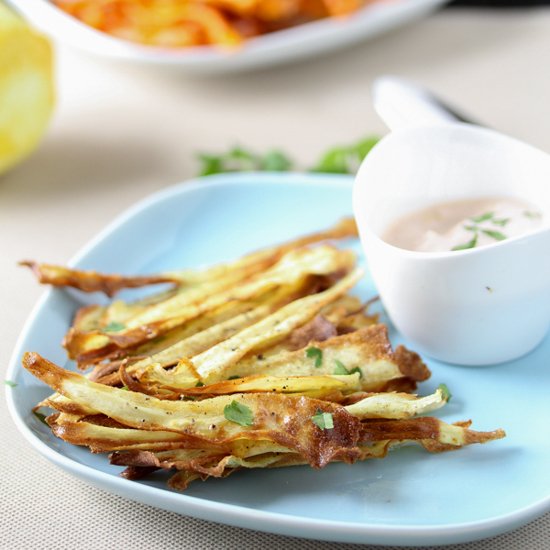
[{"x": 472, "y": 307}]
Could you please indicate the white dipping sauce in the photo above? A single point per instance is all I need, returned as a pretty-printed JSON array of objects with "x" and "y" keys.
[{"x": 464, "y": 224}]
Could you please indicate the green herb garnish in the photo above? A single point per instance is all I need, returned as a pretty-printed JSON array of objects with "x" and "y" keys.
[
  {"x": 114, "y": 326},
  {"x": 497, "y": 235},
  {"x": 339, "y": 160},
  {"x": 234, "y": 377},
  {"x": 199, "y": 384},
  {"x": 483, "y": 217},
  {"x": 40, "y": 416},
  {"x": 358, "y": 370},
  {"x": 10, "y": 383},
  {"x": 239, "y": 159},
  {"x": 445, "y": 391},
  {"x": 465, "y": 246},
  {"x": 532, "y": 215},
  {"x": 345, "y": 159},
  {"x": 323, "y": 420},
  {"x": 317, "y": 354},
  {"x": 238, "y": 413},
  {"x": 340, "y": 368},
  {"x": 276, "y": 161}
]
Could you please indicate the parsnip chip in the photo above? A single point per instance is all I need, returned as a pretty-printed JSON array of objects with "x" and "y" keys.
[
  {"x": 214, "y": 362},
  {"x": 367, "y": 350},
  {"x": 91, "y": 281}
]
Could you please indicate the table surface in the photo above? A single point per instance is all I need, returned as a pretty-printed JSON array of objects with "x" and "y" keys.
[{"x": 120, "y": 133}]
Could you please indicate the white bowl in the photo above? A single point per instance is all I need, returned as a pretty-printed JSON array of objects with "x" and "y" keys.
[
  {"x": 307, "y": 40},
  {"x": 473, "y": 307}
]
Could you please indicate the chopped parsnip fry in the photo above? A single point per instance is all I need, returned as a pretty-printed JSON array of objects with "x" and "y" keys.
[
  {"x": 397, "y": 405},
  {"x": 212, "y": 364},
  {"x": 90, "y": 281},
  {"x": 367, "y": 349}
]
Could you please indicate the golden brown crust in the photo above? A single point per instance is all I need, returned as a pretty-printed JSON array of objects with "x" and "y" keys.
[{"x": 91, "y": 281}]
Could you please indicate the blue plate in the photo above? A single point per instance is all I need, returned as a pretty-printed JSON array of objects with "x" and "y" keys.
[{"x": 410, "y": 497}]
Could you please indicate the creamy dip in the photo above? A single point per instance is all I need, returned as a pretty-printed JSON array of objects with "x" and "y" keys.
[{"x": 464, "y": 224}]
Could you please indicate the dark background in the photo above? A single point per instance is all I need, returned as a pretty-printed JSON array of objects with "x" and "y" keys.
[{"x": 500, "y": 3}]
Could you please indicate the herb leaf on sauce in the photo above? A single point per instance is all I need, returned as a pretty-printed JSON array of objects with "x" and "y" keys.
[
  {"x": 497, "y": 235},
  {"x": 483, "y": 217},
  {"x": 10, "y": 383},
  {"x": 465, "y": 246}
]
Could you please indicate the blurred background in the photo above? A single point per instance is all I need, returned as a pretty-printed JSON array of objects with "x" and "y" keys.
[{"x": 85, "y": 135}]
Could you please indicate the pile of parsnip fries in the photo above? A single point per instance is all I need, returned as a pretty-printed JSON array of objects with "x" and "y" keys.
[{"x": 263, "y": 362}]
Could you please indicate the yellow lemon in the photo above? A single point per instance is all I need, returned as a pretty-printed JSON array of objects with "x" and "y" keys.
[{"x": 26, "y": 88}]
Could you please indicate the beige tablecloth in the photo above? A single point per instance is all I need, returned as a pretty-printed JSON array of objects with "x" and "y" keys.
[{"x": 121, "y": 133}]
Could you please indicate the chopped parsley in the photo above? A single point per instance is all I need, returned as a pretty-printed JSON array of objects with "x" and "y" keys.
[
  {"x": 483, "y": 217},
  {"x": 114, "y": 326},
  {"x": 358, "y": 370},
  {"x": 340, "y": 368},
  {"x": 464, "y": 246},
  {"x": 345, "y": 159},
  {"x": 317, "y": 354},
  {"x": 239, "y": 159},
  {"x": 477, "y": 229},
  {"x": 238, "y": 413},
  {"x": 497, "y": 235},
  {"x": 338, "y": 160},
  {"x": 234, "y": 377},
  {"x": 199, "y": 384},
  {"x": 532, "y": 215},
  {"x": 445, "y": 391},
  {"x": 323, "y": 420},
  {"x": 10, "y": 383}
]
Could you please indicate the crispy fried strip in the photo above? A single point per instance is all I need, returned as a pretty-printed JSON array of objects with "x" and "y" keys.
[
  {"x": 102, "y": 438},
  {"x": 368, "y": 348},
  {"x": 195, "y": 301},
  {"x": 103, "y": 435},
  {"x": 200, "y": 341},
  {"x": 275, "y": 417},
  {"x": 151, "y": 370},
  {"x": 91, "y": 281},
  {"x": 214, "y": 362},
  {"x": 434, "y": 434},
  {"x": 279, "y": 384},
  {"x": 77, "y": 341}
]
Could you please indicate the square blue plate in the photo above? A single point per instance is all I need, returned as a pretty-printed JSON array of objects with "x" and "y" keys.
[{"x": 410, "y": 497}]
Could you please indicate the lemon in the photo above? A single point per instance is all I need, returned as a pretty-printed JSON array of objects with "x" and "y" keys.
[{"x": 26, "y": 88}]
